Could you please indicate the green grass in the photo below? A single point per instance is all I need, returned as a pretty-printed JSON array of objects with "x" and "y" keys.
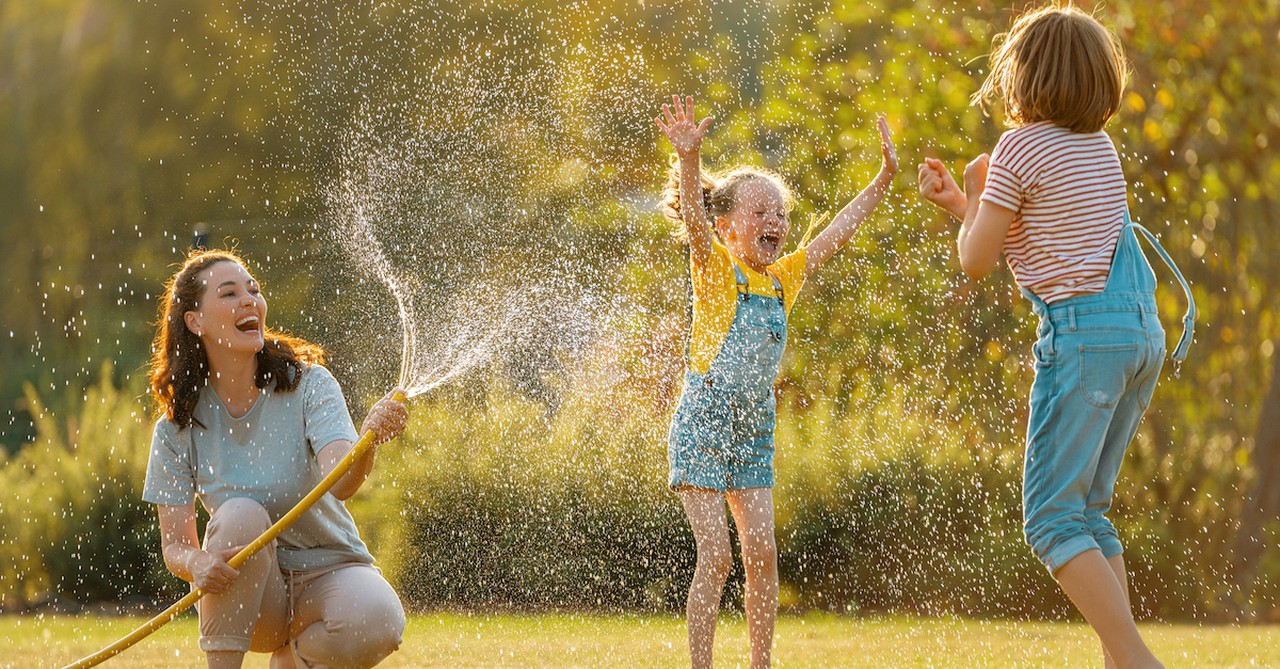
[{"x": 576, "y": 640}]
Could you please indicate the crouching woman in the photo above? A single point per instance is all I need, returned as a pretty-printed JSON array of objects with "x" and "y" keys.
[{"x": 249, "y": 423}]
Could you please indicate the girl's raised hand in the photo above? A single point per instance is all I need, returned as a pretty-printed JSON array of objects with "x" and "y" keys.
[
  {"x": 682, "y": 129},
  {"x": 888, "y": 153},
  {"x": 938, "y": 187}
]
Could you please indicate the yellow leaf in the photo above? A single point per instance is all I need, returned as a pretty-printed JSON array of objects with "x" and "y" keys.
[
  {"x": 1151, "y": 130},
  {"x": 1136, "y": 103}
]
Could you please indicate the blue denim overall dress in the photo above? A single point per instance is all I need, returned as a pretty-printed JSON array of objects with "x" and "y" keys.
[
  {"x": 1097, "y": 361},
  {"x": 722, "y": 431}
]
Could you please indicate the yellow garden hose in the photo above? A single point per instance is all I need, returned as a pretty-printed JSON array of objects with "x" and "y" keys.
[{"x": 365, "y": 443}]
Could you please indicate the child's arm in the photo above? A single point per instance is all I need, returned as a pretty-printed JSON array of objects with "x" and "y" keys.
[
  {"x": 686, "y": 138},
  {"x": 851, "y": 217},
  {"x": 985, "y": 226}
]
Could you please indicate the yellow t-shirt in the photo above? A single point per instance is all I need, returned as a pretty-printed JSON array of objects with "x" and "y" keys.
[{"x": 715, "y": 298}]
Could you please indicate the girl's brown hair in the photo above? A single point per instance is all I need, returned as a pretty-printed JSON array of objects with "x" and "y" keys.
[
  {"x": 179, "y": 363},
  {"x": 1056, "y": 64},
  {"x": 719, "y": 192}
]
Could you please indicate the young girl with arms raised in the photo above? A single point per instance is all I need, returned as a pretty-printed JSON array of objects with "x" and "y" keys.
[
  {"x": 721, "y": 441},
  {"x": 1052, "y": 197}
]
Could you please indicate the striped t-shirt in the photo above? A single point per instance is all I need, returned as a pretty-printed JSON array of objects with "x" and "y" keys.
[{"x": 1068, "y": 192}]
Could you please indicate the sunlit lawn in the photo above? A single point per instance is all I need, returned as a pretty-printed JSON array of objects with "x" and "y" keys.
[{"x": 573, "y": 640}]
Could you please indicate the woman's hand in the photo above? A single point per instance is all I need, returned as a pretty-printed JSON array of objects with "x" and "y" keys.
[
  {"x": 889, "y": 155},
  {"x": 682, "y": 129},
  {"x": 210, "y": 571},
  {"x": 938, "y": 187},
  {"x": 387, "y": 418}
]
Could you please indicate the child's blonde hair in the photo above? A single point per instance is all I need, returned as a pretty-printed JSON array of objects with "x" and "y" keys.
[
  {"x": 1056, "y": 64},
  {"x": 719, "y": 193}
]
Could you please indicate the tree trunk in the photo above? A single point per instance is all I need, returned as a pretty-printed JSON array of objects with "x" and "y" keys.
[{"x": 1262, "y": 501}]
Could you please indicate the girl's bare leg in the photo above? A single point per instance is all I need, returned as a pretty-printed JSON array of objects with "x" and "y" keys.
[
  {"x": 753, "y": 513},
  {"x": 1117, "y": 567},
  {"x": 705, "y": 509},
  {"x": 1095, "y": 587}
]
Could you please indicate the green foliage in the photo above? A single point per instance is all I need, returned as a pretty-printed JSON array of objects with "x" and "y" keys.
[
  {"x": 75, "y": 527},
  {"x": 506, "y": 506}
]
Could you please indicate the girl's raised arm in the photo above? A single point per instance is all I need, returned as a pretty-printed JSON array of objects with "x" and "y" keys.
[
  {"x": 686, "y": 138},
  {"x": 851, "y": 217}
]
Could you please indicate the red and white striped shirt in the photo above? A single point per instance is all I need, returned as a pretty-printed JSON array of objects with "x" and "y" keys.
[{"x": 1068, "y": 192}]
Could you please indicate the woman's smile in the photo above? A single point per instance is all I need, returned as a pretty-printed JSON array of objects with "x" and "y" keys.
[{"x": 232, "y": 310}]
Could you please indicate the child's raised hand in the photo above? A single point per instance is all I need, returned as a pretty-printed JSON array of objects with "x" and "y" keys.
[
  {"x": 938, "y": 187},
  {"x": 682, "y": 129},
  {"x": 975, "y": 175},
  {"x": 888, "y": 153}
]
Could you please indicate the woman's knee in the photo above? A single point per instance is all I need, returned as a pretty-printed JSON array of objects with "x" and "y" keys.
[
  {"x": 363, "y": 624},
  {"x": 238, "y": 520},
  {"x": 364, "y": 640}
]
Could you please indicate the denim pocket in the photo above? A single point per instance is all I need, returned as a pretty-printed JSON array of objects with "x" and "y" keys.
[{"x": 1105, "y": 371}]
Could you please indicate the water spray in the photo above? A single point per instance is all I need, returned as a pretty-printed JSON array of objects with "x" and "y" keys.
[{"x": 361, "y": 447}]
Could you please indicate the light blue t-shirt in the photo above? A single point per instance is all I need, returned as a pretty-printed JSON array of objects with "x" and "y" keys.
[{"x": 269, "y": 456}]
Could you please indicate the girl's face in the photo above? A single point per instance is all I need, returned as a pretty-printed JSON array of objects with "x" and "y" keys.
[
  {"x": 232, "y": 310},
  {"x": 755, "y": 229}
]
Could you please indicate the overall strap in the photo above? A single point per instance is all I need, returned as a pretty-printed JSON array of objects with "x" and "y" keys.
[
  {"x": 741, "y": 280},
  {"x": 1189, "y": 318},
  {"x": 777, "y": 289},
  {"x": 744, "y": 287}
]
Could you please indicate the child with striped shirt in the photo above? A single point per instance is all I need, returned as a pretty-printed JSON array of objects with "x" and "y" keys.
[{"x": 1052, "y": 198}]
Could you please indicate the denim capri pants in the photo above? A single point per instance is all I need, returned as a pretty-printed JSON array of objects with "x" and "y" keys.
[{"x": 1097, "y": 360}]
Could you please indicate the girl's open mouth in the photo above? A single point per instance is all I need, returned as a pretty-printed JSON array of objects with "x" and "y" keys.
[
  {"x": 247, "y": 324},
  {"x": 769, "y": 242}
]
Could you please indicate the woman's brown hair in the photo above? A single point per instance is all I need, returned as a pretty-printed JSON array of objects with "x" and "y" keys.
[
  {"x": 719, "y": 192},
  {"x": 1056, "y": 64},
  {"x": 179, "y": 363}
]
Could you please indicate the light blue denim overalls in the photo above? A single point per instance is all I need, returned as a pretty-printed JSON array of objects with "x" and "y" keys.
[
  {"x": 722, "y": 431},
  {"x": 1097, "y": 361}
]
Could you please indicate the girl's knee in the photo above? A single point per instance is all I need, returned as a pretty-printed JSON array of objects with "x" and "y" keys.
[
  {"x": 716, "y": 559},
  {"x": 364, "y": 643},
  {"x": 1055, "y": 542},
  {"x": 760, "y": 556}
]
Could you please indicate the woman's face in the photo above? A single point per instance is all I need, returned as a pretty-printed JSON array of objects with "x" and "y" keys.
[
  {"x": 755, "y": 229},
  {"x": 232, "y": 310}
]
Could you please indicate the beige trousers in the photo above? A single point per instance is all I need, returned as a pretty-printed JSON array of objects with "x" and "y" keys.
[{"x": 346, "y": 617}]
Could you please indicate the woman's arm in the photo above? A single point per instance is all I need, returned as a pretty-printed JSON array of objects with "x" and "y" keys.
[
  {"x": 849, "y": 219},
  {"x": 180, "y": 545},
  {"x": 686, "y": 138},
  {"x": 387, "y": 419}
]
